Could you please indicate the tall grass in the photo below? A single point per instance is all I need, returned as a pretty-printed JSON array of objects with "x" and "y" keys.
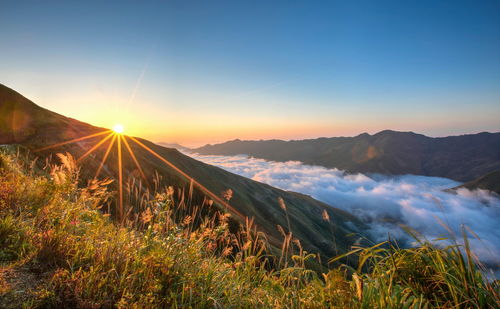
[{"x": 171, "y": 250}]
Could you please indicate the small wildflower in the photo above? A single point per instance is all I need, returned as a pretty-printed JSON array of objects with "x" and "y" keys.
[
  {"x": 170, "y": 191},
  {"x": 187, "y": 220},
  {"x": 297, "y": 242},
  {"x": 325, "y": 215},
  {"x": 146, "y": 216},
  {"x": 227, "y": 194},
  {"x": 227, "y": 251},
  {"x": 211, "y": 246},
  {"x": 247, "y": 245},
  {"x": 282, "y": 203}
]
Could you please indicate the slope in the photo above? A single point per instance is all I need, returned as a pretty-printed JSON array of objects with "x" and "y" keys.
[
  {"x": 23, "y": 122},
  {"x": 490, "y": 182}
]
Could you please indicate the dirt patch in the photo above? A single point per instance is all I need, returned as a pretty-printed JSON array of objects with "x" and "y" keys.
[{"x": 18, "y": 284}]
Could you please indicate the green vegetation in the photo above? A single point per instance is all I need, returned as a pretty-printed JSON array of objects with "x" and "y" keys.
[{"x": 61, "y": 249}]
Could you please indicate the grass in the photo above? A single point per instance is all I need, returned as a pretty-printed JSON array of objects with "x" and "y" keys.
[{"x": 171, "y": 251}]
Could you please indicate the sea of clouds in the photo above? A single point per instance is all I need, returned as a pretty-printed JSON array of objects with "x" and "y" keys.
[{"x": 385, "y": 202}]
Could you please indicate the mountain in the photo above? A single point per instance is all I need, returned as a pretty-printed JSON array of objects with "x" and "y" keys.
[
  {"x": 174, "y": 145},
  {"x": 490, "y": 182},
  {"x": 23, "y": 122},
  {"x": 462, "y": 158}
]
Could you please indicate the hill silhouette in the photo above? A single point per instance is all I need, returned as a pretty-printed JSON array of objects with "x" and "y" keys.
[{"x": 462, "y": 158}]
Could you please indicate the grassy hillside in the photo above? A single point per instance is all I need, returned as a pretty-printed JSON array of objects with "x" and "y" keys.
[
  {"x": 58, "y": 249},
  {"x": 33, "y": 127},
  {"x": 490, "y": 181},
  {"x": 461, "y": 158}
]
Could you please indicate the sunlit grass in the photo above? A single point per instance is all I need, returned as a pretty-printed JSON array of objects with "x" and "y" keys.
[
  {"x": 117, "y": 137},
  {"x": 170, "y": 253}
]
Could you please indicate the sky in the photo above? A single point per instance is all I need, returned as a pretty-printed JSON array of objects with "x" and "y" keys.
[{"x": 197, "y": 72}]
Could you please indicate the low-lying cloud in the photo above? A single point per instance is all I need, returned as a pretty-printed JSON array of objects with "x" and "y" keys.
[{"x": 384, "y": 202}]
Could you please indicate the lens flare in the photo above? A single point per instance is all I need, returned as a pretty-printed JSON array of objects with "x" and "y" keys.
[
  {"x": 118, "y": 128},
  {"x": 116, "y": 139}
]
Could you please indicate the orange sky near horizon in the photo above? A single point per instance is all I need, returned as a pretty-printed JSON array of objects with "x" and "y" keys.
[
  {"x": 197, "y": 129},
  {"x": 161, "y": 118},
  {"x": 209, "y": 125}
]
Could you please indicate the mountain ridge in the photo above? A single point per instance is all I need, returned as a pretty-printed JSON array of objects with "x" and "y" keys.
[
  {"x": 462, "y": 158},
  {"x": 364, "y": 134}
]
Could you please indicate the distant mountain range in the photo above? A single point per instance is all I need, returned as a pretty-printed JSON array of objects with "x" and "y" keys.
[
  {"x": 462, "y": 158},
  {"x": 174, "y": 145},
  {"x": 24, "y": 123}
]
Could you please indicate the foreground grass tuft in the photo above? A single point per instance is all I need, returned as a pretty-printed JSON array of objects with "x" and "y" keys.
[{"x": 169, "y": 255}]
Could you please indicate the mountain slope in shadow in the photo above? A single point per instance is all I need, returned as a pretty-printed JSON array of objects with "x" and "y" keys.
[
  {"x": 490, "y": 182},
  {"x": 23, "y": 122},
  {"x": 461, "y": 158}
]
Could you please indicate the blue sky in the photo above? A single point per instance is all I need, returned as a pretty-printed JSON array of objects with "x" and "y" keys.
[{"x": 207, "y": 71}]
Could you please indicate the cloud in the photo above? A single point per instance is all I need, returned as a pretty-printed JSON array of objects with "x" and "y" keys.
[{"x": 384, "y": 202}]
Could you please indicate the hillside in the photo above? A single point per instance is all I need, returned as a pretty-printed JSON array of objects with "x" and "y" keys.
[
  {"x": 490, "y": 182},
  {"x": 59, "y": 250},
  {"x": 174, "y": 145},
  {"x": 33, "y": 127},
  {"x": 462, "y": 158}
]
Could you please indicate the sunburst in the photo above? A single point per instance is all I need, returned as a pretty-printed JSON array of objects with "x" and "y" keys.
[
  {"x": 117, "y": 137},
  {"x": 118, "y": 128}
]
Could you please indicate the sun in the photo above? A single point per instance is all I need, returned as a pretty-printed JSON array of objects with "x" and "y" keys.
[
  {"x": 118, "y": 128},
  {"x": 116, "y": 137}
]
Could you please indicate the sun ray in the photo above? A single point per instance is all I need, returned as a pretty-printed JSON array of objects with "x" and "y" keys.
[
  {"x": 120, "y": 179},
  {"x": 118, "y": 138},
  {"x": 124, "y": 138},
  {"x": 72, "y": 141},
  {"x": 106, "y": 154},
  {"x": 196, "y": 183},
  {"x": 95, "y": 147}
]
